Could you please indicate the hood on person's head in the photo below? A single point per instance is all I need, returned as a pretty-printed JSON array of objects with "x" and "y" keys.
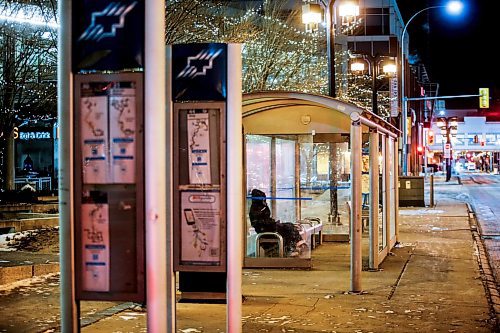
[{"x": 258, "y": 195}]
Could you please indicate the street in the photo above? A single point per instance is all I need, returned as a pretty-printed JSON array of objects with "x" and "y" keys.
[{"x": 484, "y": 193}]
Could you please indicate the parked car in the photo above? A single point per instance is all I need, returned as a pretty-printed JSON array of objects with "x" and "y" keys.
[{"x": 471, "y": 166}]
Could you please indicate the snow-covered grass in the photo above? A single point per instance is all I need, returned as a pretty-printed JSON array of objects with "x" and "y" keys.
[{"x": 5, "y": 240}]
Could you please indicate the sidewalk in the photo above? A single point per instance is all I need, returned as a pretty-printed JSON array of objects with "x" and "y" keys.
[{"x": 431, "y": 283}]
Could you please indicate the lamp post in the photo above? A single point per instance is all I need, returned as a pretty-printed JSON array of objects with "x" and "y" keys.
[
  {"x": 449, "y": 128},
  {"x": 454, "y": 7},
  {"x": 311, "y": 15},
  {"x": 374, "y": 64}
]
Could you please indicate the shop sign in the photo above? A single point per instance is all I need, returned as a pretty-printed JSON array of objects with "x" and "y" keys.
[{"x": 34, "y": 135}]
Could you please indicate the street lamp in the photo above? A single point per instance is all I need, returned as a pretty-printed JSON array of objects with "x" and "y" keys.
[
  {"x": 374, "y": 64},
  {"x": 449, "y": 128},
  {"x": 311, "y": 15},
  {"x": 453, "y": 7}
]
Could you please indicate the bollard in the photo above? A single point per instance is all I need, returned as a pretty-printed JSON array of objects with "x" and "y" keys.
[{"x": 432, "y": 191}]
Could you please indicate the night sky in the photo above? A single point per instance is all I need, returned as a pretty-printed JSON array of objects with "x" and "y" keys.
[{"x": 458, "y": 52}]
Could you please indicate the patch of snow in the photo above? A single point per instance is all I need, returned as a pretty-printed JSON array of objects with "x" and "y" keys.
[
  {"x": 420, "y": 211},
  {"x": 438, "y": 229},
  {"x": 26, "y": 282},
  {"x": 4, "y": 243}
]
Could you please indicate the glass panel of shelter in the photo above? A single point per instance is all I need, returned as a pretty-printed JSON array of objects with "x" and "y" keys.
[
  {"x": 382, "y": 216},
  {"x": 392, "y": 185},
  {"x": 325, "y": 184},
  {"x": 304, "y": 183},
  {"x": 274, "y": 229}
]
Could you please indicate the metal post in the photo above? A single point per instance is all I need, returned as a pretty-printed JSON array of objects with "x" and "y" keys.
[
  {"x": 11, "y": 165},
  {"x": 330, "y": 49},
  {"x": 69, "y": 308},
  {"x": 448, "y": 159},
  {"x": 374, "y": 198},
  {"x": 432, "y": 191},
  {"x": 160, "y": 284},
  {"x": 404, "y": 111},
  {"x": 374, "y": 66},
  {"x": 235, "y": 194},
  {"x": 356, "y": 162},
  {"x": 404, "y": 101}
]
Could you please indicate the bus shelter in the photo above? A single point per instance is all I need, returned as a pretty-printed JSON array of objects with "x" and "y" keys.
[{"x": 323, "y": 165}]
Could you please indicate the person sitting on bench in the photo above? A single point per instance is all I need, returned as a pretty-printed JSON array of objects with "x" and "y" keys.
[{"x": 261, "y": 220}]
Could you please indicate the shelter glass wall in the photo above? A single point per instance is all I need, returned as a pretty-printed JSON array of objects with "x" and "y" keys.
[
  {"x": 381, "y": 224},
  {"x": 271, "y": 169},
  {"x": 325, "y": 169},
  {"x": 298, "y": 159},
  {"x": 392, "y": 184}
]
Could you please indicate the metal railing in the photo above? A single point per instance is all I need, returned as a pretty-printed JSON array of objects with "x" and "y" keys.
[{"x": 38, "y": 183}]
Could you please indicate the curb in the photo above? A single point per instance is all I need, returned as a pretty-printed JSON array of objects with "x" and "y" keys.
[
  {"x": 16, "y": 273},
  {"x": 487, "y": 276}
]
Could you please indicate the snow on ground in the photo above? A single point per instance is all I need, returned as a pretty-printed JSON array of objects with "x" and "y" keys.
[
  {"x": 424, "y": 211},
  {"x": 5, "y": 239},
  {"x": 26, "y": 282},
  {"x": 31, "y": 240}
]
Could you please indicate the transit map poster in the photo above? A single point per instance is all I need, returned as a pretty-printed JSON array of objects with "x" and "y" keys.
[
  {"x": 94, "y": 134},
  {"x": 95, "y": 242},
  {"x": 122, "y": 119},
  {"x": 200, "y": 228},
  {"x": 199, "y": 146}
]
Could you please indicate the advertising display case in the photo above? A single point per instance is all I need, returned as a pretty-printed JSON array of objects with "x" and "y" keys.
[{"x": 109, "y": 190}]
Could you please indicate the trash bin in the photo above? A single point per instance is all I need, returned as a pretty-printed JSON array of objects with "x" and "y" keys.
[{"x": 411, "y": 191}]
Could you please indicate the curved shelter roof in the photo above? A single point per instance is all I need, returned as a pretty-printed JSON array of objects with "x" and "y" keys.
[{"x": 300, "y": 113}]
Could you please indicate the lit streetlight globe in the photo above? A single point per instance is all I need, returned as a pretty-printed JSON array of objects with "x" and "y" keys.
[{"x": 454, "y": 7}]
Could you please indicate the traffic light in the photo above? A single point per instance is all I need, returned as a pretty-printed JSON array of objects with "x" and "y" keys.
[
  {"x": 430, "y": 138},
  {"x": 484, "y": 98},
  {"x": 420, "y": 150},
  {"x": 476, "y": 139}
]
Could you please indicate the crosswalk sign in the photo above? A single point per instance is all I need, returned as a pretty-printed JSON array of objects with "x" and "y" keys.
[{"x": 484, "y": 98}]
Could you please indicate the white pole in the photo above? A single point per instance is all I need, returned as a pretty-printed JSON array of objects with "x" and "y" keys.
[
  {"x": 356, "y": 162},
  {"x": 234, "y": 190},
  {"x": 69, "y": 312},
  {"x": 157, "y": 174}
]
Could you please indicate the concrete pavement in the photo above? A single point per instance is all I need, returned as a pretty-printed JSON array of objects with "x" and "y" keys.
[
  {"x": 430, "y": 283},
  {"x": 434, "y": 281}
]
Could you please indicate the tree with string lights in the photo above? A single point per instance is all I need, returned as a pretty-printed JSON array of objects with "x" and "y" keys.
[
  {"x": 28, "y": 67},
  {"x": 277, "y": 54}
]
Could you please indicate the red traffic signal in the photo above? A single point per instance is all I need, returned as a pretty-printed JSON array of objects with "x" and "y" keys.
[{"x": 420, "y": 150}]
